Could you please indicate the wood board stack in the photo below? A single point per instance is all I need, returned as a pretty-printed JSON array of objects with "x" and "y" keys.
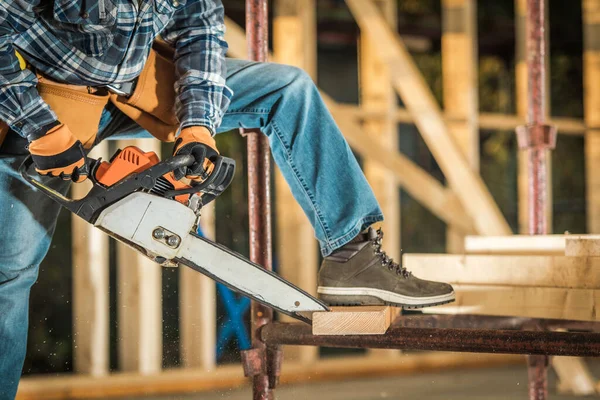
[{"x": 548, "y": 276}]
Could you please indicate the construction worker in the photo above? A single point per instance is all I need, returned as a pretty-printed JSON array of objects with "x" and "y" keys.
[{"x": 92, "y": 75}]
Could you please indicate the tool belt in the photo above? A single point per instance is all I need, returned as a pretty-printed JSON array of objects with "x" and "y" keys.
[{"x": 149, "y": 100}]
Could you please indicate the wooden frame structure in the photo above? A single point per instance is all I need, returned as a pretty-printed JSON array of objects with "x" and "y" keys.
[
  {"x": 465, "y": 205},
  {"x": 536, "y": 139}
]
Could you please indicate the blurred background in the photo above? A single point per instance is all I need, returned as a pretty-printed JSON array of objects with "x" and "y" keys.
[{"x": 337, "y": 70}]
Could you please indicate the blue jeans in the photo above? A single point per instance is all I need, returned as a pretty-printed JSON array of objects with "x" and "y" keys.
[{"x": 306, "y": 144}]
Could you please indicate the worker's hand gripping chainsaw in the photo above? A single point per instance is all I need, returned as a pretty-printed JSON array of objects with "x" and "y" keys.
[{"x": 136, "y": 200}]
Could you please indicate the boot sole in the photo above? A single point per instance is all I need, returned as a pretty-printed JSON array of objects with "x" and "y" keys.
[{"x": 335, "y": 296}]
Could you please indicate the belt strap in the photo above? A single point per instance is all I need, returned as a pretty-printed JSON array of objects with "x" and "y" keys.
[{"x": 124, "y": 89}]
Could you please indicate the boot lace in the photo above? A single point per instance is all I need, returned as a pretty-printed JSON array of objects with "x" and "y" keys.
[{"x": 387, "y": 261}]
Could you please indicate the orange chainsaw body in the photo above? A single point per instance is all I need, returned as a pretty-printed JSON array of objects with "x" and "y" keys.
[{"x": 132, "y": 160}]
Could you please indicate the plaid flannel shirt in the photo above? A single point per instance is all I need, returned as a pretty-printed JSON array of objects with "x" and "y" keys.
[{"x": 95, "y": 43}]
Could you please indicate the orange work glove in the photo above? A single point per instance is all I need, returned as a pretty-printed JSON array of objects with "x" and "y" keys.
[
  {"x": 197, "y": 141},
  {"x": 58, "y": 153}
]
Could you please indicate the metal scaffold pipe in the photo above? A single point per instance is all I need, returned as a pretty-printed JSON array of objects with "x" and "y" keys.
[
  {"x": 447, "y": 339},
  {"x": 259, "y": 362},
  {"x": 537, "y": 139}
]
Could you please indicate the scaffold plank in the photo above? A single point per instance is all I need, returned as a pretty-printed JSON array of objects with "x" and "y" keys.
[
  {"x": 582, "y": 246},
  {"x": 532, "y": 302},
  {"x": 516, "y": 245},
  {"x": 529, "y": 271}
]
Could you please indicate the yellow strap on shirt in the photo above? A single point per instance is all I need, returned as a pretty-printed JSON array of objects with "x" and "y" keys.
[{"x": 22, "y": 62}]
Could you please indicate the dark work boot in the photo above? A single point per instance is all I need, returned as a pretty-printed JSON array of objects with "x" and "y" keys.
[{"x": 360, "y": 273}]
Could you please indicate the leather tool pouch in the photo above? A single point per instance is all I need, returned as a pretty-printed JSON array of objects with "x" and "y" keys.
[
  {"x": 152, "y": 104},
  {"x": 75, "y": 106}
]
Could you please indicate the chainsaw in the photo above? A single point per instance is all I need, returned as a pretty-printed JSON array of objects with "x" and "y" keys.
[{"x": 136, "y": 200}]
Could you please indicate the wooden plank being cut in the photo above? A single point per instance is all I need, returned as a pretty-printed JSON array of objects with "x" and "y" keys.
[
  {"x": 368, "y": 320},
  {"x": 531, "y": 302},
  {"x": 516, "y": 245},
  {"x": 534, "y": 271},
  {"x": 582, "y": 246}
]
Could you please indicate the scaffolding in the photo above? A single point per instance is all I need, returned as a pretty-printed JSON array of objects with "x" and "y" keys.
[{"x": 527, "y": 336}]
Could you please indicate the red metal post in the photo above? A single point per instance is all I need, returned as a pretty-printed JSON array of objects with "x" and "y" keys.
[
  {"x": 537, "y": 139},
  {"x": 259, "y": 204}
]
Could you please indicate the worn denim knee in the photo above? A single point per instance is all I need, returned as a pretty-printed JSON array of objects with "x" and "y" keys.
[{"x": 307, "y": 145}]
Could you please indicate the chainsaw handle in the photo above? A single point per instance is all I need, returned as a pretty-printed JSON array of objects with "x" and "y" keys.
[
  {"x": 101, "y": 196},
  {"x": 220, "y": 178}
]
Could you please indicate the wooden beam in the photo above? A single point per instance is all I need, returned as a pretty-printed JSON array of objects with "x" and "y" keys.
[
  {"x": 236, "y": 39},
  {"x": 495, "y": 121},
  {"x": 412, "y": 88},
  {"x": 417, "y": 182},
  {"x": 139, "y": 301},
  {"x": 579, "y": 382},
  {"x": 591, "y": 83},
  {"x": 374, "y": 320},
  {"x": 531, "y": 302},
  {"x": 582, "y": 246},
  {"x": 377, "y": 94},
  {"x": 460, "y": 82},
  {"x": 516, "y": 245},
  {"x": 294, "y": 43},
  {"x": 90, "y": 289},
  {"x": 198, "y": 308},
  {"x": 538, "y": 271},
  {"x": 180, "y": 381}
]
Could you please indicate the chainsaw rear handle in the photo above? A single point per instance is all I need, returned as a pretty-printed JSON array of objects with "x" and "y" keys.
[
  {"x": 214, "y": 185},
  {"x": 100, "y": 196}
]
